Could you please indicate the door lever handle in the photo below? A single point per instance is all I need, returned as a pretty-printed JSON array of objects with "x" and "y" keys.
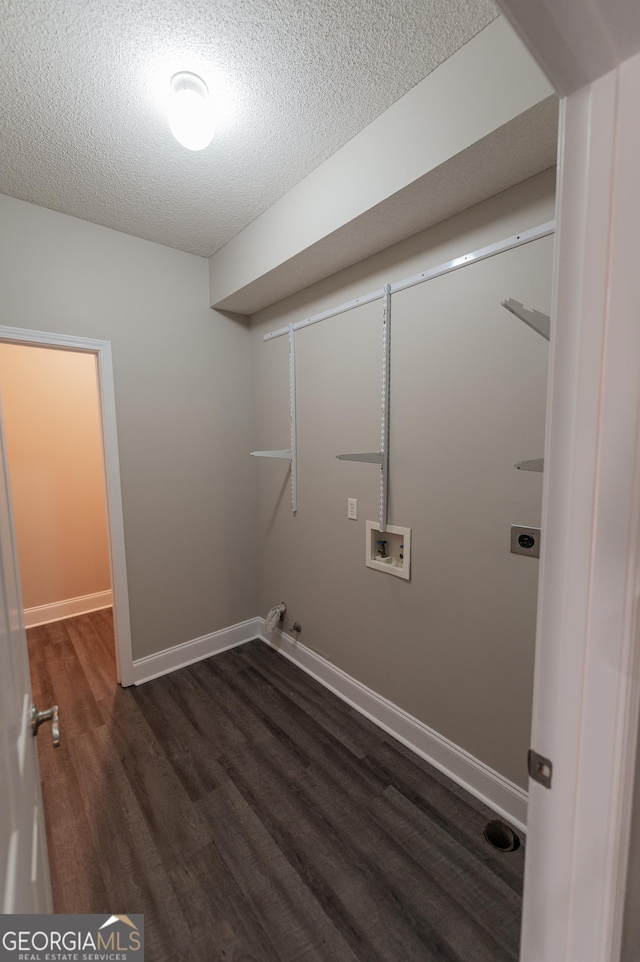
[{"x": 51, "y": 714}]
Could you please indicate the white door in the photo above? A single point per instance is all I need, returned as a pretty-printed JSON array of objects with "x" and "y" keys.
[
  {"x": 587, "y": 680},
  {"x": 25, "y": 884}
]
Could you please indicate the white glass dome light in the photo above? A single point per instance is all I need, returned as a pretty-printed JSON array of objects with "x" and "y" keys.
[{"x": 190, "y": 111}]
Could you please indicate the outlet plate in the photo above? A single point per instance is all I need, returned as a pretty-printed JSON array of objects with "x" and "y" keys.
[
  {"x": 521, "y": 538},
  {"x": 352, "y": 509}
]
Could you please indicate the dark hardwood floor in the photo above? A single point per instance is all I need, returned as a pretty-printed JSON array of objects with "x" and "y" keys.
[{"x": 252, "y": 815}]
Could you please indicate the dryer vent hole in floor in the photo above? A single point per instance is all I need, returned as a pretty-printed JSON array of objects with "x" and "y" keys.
[{"x": 501, "y": 836}]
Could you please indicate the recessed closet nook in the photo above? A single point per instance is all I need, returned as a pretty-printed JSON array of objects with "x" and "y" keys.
[{"x": 435, "y": 380}]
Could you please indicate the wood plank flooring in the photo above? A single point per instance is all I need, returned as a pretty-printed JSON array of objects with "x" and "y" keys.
[{"x": 252, "y": 815}]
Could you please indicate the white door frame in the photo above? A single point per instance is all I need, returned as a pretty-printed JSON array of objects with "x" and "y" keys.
[
  {"x": 106, "y": 393},
  {"x": 587, "y": 676}
]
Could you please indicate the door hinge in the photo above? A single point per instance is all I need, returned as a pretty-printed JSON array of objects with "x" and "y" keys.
[{"x": 540, "y": 768}]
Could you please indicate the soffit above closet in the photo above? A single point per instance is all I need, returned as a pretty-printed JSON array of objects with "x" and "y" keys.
[{"x": 82, "y": 124}]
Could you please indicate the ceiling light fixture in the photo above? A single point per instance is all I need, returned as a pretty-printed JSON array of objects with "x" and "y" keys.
[{"x": 190, "y": 111}]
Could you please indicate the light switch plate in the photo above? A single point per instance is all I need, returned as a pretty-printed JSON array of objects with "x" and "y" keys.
[{"x": 352, "y": 509}]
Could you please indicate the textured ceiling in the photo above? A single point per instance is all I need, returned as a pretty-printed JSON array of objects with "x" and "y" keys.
[{"x": 83, "y": 82}]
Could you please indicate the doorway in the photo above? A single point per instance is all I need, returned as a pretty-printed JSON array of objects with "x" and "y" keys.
[
  {"x": 113, "y": 566},
  {"x": 54, "y": 446}
]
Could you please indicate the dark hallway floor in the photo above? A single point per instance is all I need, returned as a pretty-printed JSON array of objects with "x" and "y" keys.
[{"x": 252, "y": 815}]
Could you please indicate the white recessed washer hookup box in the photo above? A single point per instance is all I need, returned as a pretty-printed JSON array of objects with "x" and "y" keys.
[{"x": 389, "y": 550}]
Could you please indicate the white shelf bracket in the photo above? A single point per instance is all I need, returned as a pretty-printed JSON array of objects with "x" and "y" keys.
[
  {"x": 374, "y": 457},
  {"x": 536, "y": 464},
  {"x": 271, "y": 454},
  {"x": 533, "y": 319}
]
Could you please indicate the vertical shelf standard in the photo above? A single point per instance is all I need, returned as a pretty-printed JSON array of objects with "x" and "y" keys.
[
  {"x": 292, "y": 453},
  {"x": 381, "y": 457}
]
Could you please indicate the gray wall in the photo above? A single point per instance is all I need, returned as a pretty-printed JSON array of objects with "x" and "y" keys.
[
  {"x": 454, "y": 647},
  {"x": 183, "y": 399}
]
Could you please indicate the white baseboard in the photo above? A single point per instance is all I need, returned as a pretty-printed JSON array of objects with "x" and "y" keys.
[
  {"x": 503, "y": 796},
  {"x": 152, "y": 666},
  {"x": 45, "y": 614}
]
